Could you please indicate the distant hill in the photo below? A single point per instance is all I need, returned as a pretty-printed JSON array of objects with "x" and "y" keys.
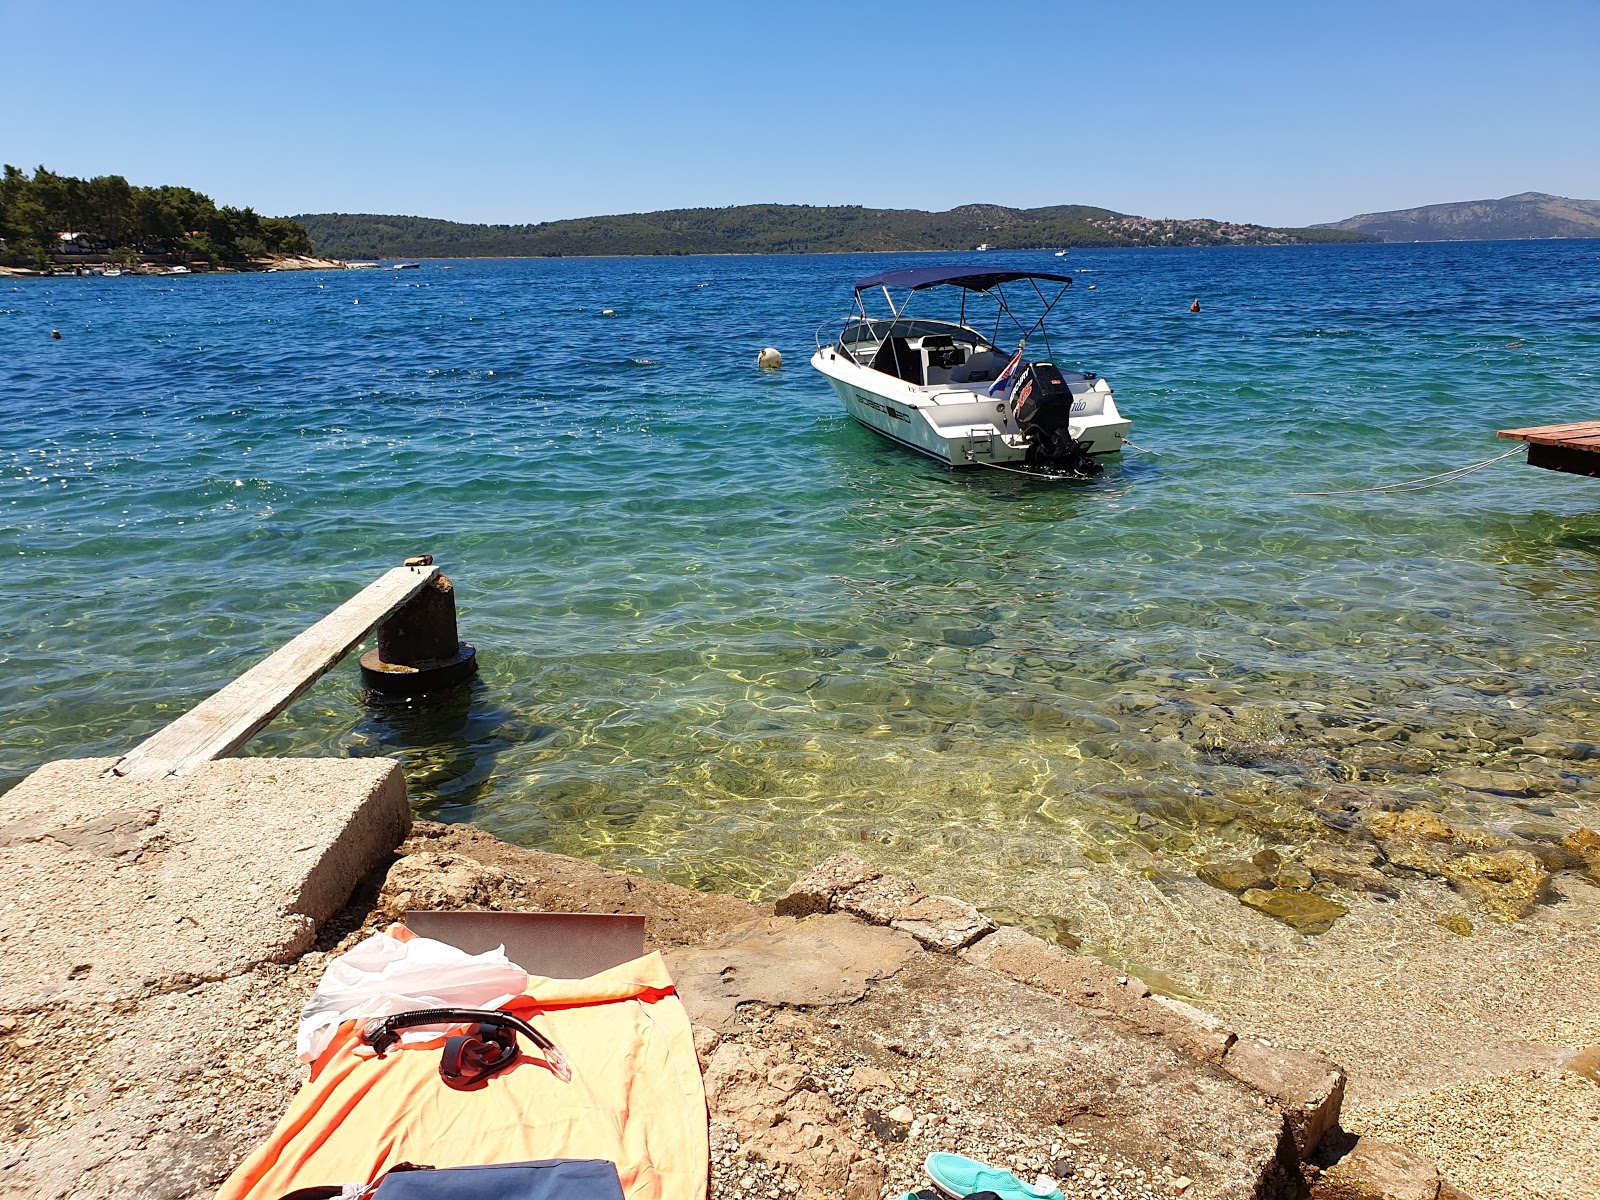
[
  {"x": 1526, "y": 215},
  {"x": 785, "y": 229}
]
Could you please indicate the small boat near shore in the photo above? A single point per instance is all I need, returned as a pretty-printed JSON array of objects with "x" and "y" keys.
[{"x": 944, "y": 389}]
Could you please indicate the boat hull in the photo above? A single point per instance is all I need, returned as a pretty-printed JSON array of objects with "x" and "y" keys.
[{"x": 961, "y": 427}]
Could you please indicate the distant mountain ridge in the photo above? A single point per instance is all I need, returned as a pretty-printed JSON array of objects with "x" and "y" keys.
[
  {"x": 785, "y": 229},
  {"x": 1525, "y": 215}
]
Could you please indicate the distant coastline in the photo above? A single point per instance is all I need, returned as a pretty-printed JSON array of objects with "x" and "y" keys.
[{"x": 786, "y": 229}]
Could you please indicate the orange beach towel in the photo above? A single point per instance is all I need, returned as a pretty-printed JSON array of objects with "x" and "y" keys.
[{"x": 635, "y": 1098}]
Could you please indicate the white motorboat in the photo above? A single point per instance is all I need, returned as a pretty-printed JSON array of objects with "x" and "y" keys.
[{"x": 944, "y": 389}]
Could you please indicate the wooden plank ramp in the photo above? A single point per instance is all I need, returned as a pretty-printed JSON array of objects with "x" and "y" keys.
[
  {"x": 1573, "y": 448},
  {"x": 226, "y": 720}
]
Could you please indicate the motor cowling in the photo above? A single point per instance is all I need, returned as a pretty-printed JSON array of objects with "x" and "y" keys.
[{"x": 1041, "y": 403}]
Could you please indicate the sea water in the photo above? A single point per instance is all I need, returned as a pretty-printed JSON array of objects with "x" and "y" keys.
[{"x": 724, "y": 632}]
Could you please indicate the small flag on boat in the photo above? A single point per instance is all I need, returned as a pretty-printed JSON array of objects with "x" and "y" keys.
[{"x": 1006, "y": 374}]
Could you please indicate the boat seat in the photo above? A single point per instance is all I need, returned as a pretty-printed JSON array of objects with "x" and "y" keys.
[
  {"x": 896, "y": 357},
  {"x": 980, "y": 368}
]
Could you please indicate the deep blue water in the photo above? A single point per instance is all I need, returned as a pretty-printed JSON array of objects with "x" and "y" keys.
[{"x": 723, "y": 631}]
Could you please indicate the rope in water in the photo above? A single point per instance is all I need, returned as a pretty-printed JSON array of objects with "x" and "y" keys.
[
  {"x": 1020, "y": 471},
  {"x": 1427, "y": 481}
]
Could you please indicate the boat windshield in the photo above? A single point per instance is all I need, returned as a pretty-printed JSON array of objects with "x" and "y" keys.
[
  {"x": 981, "y": 288},
  {"x": 875, "y": 331}
]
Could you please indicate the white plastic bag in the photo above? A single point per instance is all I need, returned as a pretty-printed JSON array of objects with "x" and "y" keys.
[{"x": 384, "y": 975}]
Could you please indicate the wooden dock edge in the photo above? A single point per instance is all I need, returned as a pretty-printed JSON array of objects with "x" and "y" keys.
[
  {"x": 1572, "y": 448},
  {"x": 229, "y": 718}
]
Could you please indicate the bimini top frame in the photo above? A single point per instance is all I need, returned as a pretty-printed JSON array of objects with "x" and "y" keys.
[
  {"x": 917, "y": 278},
  {"x": 967, "y": 279}
]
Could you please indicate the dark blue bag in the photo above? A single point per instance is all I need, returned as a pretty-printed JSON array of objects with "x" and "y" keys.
[{"x": 552, "y": 1179}]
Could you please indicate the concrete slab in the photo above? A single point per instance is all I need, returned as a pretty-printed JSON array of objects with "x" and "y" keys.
[{"x": 116, "y": 888}]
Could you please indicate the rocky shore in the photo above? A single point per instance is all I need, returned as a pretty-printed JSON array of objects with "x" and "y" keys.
[
  {"x": 98, "y": 266},
  {"x": 161, "y": 937}
]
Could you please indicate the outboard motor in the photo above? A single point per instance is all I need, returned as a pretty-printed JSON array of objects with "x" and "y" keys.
[{"x": 1042, "y": 403}]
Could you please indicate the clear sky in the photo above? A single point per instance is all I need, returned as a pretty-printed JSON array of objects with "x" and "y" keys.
[{"x": 1282, "y": 113}]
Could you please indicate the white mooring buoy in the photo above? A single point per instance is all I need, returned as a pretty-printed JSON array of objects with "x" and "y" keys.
[{"x": 769, "y": 359}]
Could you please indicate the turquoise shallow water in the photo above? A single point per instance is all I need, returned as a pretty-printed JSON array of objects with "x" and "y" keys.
[{"x": 724, "y": 632}]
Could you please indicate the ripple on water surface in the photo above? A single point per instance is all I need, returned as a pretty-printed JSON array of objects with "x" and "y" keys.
[{"x": 724, "y": 632}]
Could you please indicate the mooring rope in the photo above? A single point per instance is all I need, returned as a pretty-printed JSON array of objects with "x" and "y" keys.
[
  {"x": 1020, "y": 471},
  {"x": 1141, "y": 449},
  {"x": 1427, "y": 481}
]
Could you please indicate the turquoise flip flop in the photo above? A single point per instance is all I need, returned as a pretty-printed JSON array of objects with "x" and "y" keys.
[{"x": 957, "y": 1177}]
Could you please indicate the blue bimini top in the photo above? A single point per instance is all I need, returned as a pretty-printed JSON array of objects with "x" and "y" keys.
[{"x": 971, "y": 278}]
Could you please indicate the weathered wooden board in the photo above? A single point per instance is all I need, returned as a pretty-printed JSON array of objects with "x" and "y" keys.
[
  {"x": 1581, "y": 435},
  {"x": 223, "y": 722}
]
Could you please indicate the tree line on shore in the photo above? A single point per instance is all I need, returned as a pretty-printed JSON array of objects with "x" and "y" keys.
[
  {"x": 784, "y": 229},
  {"x": 110, "y": 215}
]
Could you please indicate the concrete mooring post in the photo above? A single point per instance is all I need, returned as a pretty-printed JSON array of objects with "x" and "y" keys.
[{"x": 418, "y": 649}]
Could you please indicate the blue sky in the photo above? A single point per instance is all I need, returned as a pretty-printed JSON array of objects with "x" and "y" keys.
[{"x": 1279, "y": 113}]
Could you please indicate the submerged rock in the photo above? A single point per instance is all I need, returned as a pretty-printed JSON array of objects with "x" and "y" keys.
[
  {"x": 1456, "y": 923},
  {"x": 1350, "y": 869},
  {"x": 1305, "y": 911},
  {"x": 1504, "y": 783},
  {"x": 1232, "y": 875},
  {"x": 1268, "y": 860},
  {"x": 1412, "y": 856},
  {"x": 1550, "y": 747},
  {"x": 1294, "y": 877},
  {"x": 1585, "y": 843},
  {"x": 1510, "y": 883},
  {"x": 1413, "y": 823}
]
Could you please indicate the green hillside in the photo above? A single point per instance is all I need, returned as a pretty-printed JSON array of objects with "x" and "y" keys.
[{"x": 783, "y": 229}]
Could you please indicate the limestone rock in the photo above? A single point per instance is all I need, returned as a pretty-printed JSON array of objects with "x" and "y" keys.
[
  {"x": 1412, "y": 823},
  {"x": 1551, "y": 747},
  {"x": 1510, "y": 883},
  {"x": 1553, "y": 855},
  {"x": 871, "y": 1079},
  {"x": 1305, "y": 911},
  {"x": 814, "y": 892},
  {"x": 1196, "y": 1033},
  {"x": 444, "y": 881},
  {"x": 1585, "y": 843},
  {"x": 1309, "y": 1090},
  {"x": 878, "y": 900},
  {"x": 1031, "y": 960},
  {"x": 706, "y": 1042},
  {"x": 1348, "y": 871},
  {"x": 1268, "y": 860},
  {"x": 1377, "y": 1170},
  {"x": 1233, "y": 874},
  {"x": 942, "y": 922},
  {"x": 1504, "y": 783},
  {"x": 820, "y": 961},
  {"x": 1412, "y": 855},
  {"x": 785, "y": 1122},
  {"x": 1294, "y": 877}
]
